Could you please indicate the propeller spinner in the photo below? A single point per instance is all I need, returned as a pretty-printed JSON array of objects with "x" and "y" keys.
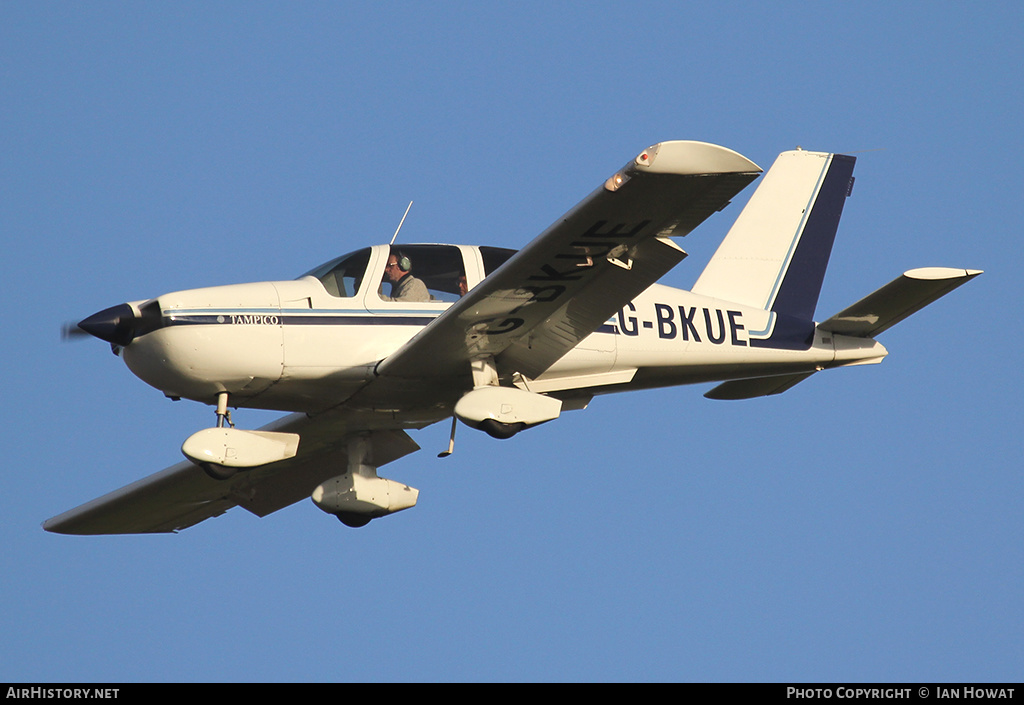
[{"x": 118, "y": 325}]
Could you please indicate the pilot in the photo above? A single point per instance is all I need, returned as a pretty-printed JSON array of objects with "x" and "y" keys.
[{"x": 404, "y": 286}]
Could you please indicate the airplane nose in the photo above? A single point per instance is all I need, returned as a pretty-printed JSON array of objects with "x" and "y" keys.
[{"x": 115, "y": 324}]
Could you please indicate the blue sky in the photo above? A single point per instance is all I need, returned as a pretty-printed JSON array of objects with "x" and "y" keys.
[{"x": 864, "y": 526}]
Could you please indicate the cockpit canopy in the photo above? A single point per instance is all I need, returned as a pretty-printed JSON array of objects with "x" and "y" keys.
[{"x": 440, "y": 268}]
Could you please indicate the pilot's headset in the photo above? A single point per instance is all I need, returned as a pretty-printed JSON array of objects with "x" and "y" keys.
[{"x": 403, "y": 261}]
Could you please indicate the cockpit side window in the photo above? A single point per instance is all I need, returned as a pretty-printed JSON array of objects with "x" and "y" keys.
[
  {"x": 418, "y": 273},
  {"x": 341, "y": 277},
  {"x": 494, "y": 257}
]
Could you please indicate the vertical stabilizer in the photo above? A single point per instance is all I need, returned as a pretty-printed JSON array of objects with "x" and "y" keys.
[{"x": 775, "y": 255}]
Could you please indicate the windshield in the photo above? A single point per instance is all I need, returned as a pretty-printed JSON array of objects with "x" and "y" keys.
[{"x": 342, "y": 276}]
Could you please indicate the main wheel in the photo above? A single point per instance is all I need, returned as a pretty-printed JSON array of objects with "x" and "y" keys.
[
  {"x": 353, "y": 520},
  {"x": 218, "y": 472},
  {"x": 499, "y": 430}
]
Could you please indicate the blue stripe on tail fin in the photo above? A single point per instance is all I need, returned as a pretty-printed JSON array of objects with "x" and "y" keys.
[{"x": 801, "y": 281}]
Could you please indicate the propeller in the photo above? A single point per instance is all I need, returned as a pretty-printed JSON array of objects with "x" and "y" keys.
[
  {"x": 117, "y": 325},
  {"x": 70, "y": 331}
]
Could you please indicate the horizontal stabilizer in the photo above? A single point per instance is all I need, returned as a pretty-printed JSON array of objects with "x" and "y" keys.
[
  {"x": 756, "y": 387},
  {"x": 896, "y": 300}
]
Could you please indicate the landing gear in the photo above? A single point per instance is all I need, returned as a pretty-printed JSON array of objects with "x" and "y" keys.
[
  {"x": 222, "y": 450},
  {"x": 218, "y": 472},
  {"x": 360, "y": 495},
  {"x": 352, "y": 520},
  {"x": 499, "y": 430},
  {"x": 223, "y": 414},
  {"x": 213, "y": 470},
  {"x": 502, "y": 412}
]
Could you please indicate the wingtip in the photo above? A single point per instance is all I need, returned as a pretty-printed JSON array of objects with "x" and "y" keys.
[
  {"x": 51, "y": 527},
  {"x": 937, "y": 273},
  {"x": 691, "y": 158}
]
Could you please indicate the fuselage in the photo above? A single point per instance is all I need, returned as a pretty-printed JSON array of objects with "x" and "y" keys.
[{"x": 306, "y": 345}]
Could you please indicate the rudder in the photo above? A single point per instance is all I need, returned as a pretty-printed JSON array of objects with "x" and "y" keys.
[{"x": 775, "y": 255}]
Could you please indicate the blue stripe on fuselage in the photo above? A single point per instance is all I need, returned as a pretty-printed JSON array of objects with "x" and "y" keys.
[
  {"x": 284, "y": 319},
  {"x": 274, "y": 317}
]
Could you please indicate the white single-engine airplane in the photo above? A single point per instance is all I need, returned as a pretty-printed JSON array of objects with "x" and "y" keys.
[{"x": 498, "y": 339}]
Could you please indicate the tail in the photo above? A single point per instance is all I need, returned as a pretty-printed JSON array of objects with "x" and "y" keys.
[
  {"x": 775, "y": 256},
  {"x": 776, "y": 253},
  {"x": 875, "y": 313}
]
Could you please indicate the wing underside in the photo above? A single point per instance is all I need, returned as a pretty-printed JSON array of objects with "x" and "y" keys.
[
  {"x": 585, "y": 267},
  {"x": 183, "y": 495}
]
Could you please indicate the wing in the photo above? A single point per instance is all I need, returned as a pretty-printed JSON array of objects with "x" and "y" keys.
[
  {"x": 536, "y": 307},
  {"x": 572, "y": 278},
  {"x": 183, "y": 495}
]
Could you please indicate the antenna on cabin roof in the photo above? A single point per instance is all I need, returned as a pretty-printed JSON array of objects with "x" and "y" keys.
[{"x": 400, "y": 224}]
